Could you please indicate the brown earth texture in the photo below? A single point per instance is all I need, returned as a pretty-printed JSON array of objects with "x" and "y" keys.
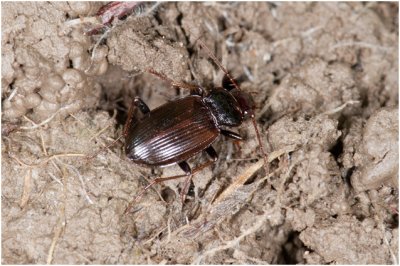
[{"x": 324, "y": 78}]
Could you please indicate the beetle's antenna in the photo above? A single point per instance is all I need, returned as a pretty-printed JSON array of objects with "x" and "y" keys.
[
  {"x": 210, "y": 54},
  {"x": 265, "y": 155}
]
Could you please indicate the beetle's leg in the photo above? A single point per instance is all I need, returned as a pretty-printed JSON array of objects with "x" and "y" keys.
[
  {"x": 155, "y": 181},
  {"x": 212, "y": 153},
  {"x": 231, "y": 134},
  {"x": 139, "y": 103},
  {"x": 214, "y": 156},
  {"x": 194, "y": 89},
  {"x": 186, "y": 168},
  {"x": 218, "y": 63},
  {"x": 163, "y": 179},
  {"x": 197, "y": 91}
]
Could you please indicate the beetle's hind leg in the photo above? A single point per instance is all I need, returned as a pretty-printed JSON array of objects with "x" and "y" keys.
[
  {"x": 214, "y": 156},
  {"x": 186, "y": 168},
  {"x": 136, "y": 102},
  {"x": 209, "y": 150}
]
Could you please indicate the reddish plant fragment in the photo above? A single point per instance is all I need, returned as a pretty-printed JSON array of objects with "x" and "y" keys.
[{"x": 109, "y": 12}]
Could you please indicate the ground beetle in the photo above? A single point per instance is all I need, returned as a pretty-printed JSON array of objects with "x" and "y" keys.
[{"x": 178, "y": 130}]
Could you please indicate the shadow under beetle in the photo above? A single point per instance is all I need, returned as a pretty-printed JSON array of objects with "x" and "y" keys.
[{"x": 180, "y": 129}]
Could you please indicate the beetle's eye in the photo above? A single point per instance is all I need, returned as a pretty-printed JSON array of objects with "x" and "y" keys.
[{"x": 248, "y": 114}]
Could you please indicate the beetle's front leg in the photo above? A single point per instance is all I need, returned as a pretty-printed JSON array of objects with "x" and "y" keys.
[
  {"x": 139, "y": 103},
  {"x": 231, "y": 134}
]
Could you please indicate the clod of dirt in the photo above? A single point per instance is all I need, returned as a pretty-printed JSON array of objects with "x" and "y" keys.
[
  {"x": 136, "y": 47},
  {"x": 315, "y": 87},
  {"x": 40, "y": 78},
  {"x": 59, "y": 192},
  {"x": 320, "y": 130},
  {"x": 346, "y": 241},
  {"x": 378, "y": 155}
]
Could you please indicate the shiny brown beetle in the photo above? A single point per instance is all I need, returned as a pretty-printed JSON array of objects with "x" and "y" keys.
[{"x": 180, "y": 129}]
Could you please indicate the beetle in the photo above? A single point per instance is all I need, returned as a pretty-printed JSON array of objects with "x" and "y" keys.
[{"x": 180, "y": 129}]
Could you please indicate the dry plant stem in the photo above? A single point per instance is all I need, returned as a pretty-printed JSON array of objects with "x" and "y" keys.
[
  {"x": 49, "y": 158},
  {"x": 85, "y": 194},
  {"x": 263, "y": 110},
  {"x": 253, "y": 260},
  {"x": 27, "y": 188},
  {"x": 13, "y": 93},
  {"x": 96, "y": 135},
  {"x": 79, "y": 21},
  {"x": 41, "y": 123},
  {"x": 43, "y": 144},
  {"x": 235, "y": 242},
  {"x": 169, "y": 229},
  {"x": 262, "y": 218},
  {"x": 361, "y": 44},
  {"x": 100, "y": 132},
  {"x": 213, "y": 215},
  {"x": 55, "y": 178},
  {"x": 57, "y": 169},
  {"x": 239, "y": 181},
  {"x": 155, "y": 235},
  {"x": 340, "y": 108},
  {"x": 61, "y": 220}
]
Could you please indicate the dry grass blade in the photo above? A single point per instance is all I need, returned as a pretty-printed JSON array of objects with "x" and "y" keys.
[
  {"x": 59, "y": 228},
  {"x": 240, "y": 180},
  {"x": 251, "y": 171},
  {"x": 233, "y": 197},
  {"x": 27, "y": 189}
]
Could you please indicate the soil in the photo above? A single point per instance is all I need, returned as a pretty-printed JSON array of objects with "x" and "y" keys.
[{"x": 324, "y": 78}]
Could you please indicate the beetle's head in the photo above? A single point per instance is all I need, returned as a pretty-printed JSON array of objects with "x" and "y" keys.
[
  {"x": 230, "y": 107},
  {"x": 245, "y": 101}
]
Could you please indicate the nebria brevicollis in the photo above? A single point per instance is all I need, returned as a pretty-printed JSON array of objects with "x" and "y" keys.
[{"x": 180, "y": 129}]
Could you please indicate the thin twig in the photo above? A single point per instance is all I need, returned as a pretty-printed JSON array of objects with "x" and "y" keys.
[
  {"x": 13, "y": 93},
  {"x": 61, "y": 221},
  {"x": 361, "y": 44},
  {"x": 27, "y": 189},
  {"x": 43, "y": 144},
  {"x": 340, "y": 108},
  {"x": 47, "y": 159},
  {"x": 40, "y": 124},
  {"x": 80, "y": 179},
  {"x": 235, "y": 242}
]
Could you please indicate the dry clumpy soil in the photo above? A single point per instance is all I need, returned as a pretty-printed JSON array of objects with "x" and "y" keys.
[{"x": 324, "y": 77}]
